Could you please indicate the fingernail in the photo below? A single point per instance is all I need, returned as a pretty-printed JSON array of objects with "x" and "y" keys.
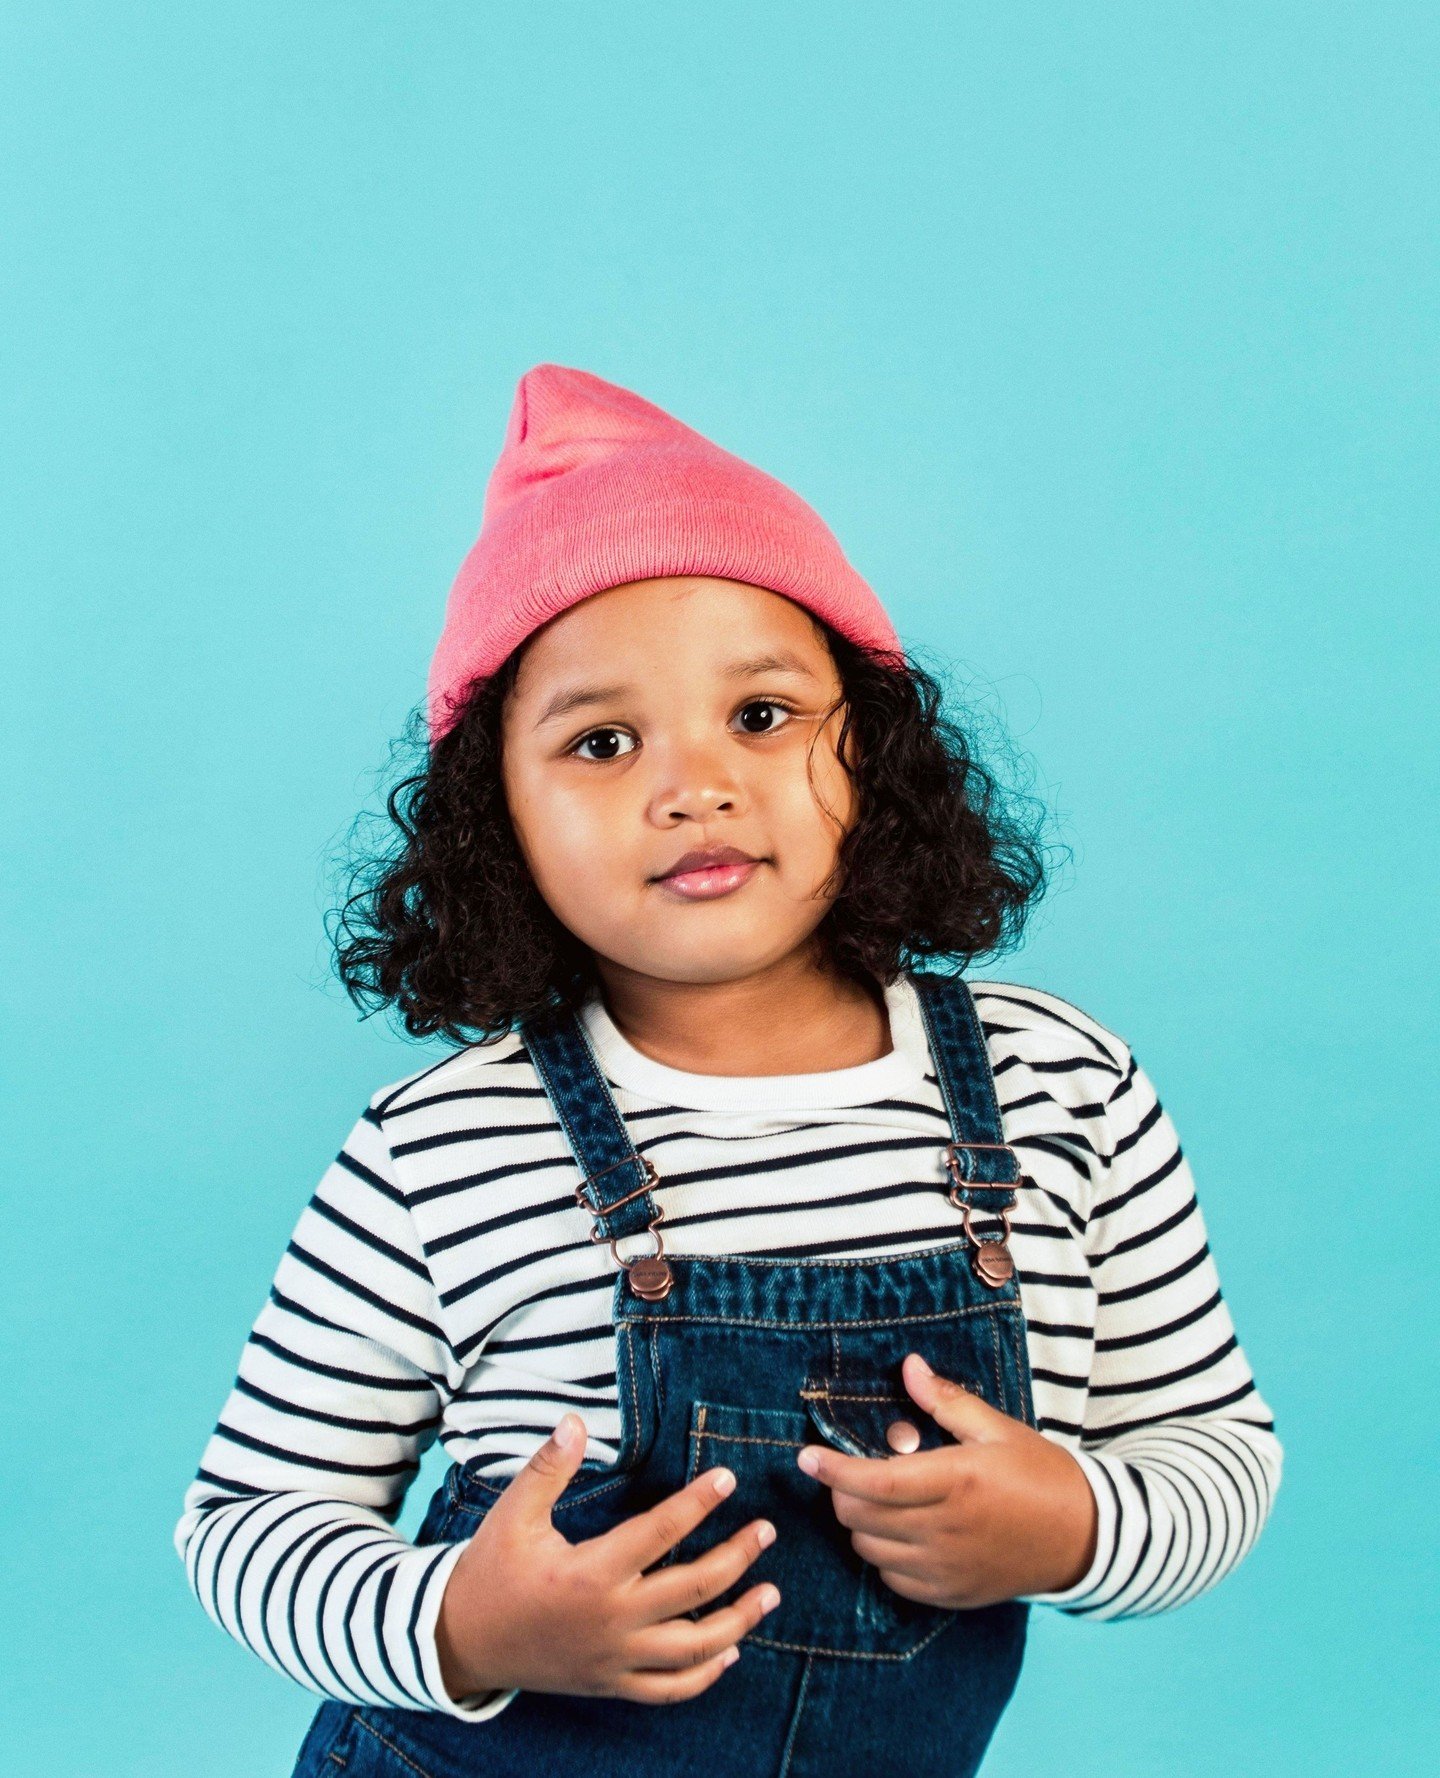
[
  {"x": 809, "y": 1461},
  {"x": 731, "y": 1656},
  {"x": 770, "y": 1598},
  {"x": 921, "y": 1362},
  {"x": 566, "y": 1432},
  {"x": 724, "y": 1481},
  {"x": 765, "y": 1531}
]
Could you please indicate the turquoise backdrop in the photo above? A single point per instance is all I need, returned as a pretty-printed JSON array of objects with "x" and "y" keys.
[{"x": 1104, "y": 335}]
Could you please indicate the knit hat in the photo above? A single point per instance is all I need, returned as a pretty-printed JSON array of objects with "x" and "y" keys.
[{"x": 596, "y": 486}]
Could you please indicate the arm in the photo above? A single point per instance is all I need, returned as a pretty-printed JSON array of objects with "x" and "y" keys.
[
  {"x": 287, "y": 1531},
  {"x": 1177, "y": 1444}
]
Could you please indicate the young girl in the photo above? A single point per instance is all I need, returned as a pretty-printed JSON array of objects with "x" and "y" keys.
[{"x": 775, "y": 1296}]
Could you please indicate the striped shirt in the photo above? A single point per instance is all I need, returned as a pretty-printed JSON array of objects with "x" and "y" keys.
[{"x": 441, "y": 1283}]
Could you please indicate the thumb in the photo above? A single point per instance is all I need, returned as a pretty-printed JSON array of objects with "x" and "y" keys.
[
  {"x": 537, "y": 1486},
  {"x": 961, "y": 1412}
]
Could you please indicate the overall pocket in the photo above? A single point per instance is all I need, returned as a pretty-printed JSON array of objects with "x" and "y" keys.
[{"x": 831, "y": 1601}]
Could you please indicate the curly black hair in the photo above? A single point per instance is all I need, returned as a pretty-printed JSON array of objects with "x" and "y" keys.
[{"x": 448, "y": 927}]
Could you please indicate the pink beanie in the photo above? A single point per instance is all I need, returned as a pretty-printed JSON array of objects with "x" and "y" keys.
[{"x": 596, "y": 486}]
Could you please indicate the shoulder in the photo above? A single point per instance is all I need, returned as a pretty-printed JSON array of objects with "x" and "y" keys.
[
  {"x": 1060, "y": 1072},
  {"x": 495, "y": 1062},
  {"x": 1034, "y": 1026}
]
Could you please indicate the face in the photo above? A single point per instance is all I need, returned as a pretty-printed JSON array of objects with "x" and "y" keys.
[{"x": 667, "y": 715}]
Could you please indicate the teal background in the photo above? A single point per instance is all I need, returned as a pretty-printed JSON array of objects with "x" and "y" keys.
[{"x": 1104, "y": 336}]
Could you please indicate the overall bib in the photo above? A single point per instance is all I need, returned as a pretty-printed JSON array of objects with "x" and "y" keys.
[{"x": 740, "y": 1360}]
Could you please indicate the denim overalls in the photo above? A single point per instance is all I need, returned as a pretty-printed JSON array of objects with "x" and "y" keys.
[{"x": 740, "y": 1360}]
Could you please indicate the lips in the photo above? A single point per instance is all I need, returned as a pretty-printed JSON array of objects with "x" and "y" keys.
[
  {"x": 708, "y": 873},
  {"x": 706, "y": 858}
]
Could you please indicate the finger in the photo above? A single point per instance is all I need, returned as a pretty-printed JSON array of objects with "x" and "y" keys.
[
  {"x": 536, "y": 1487},
  {"x": 646, "y": 1536},
  {"x": 963, "y": 1414},
  {"x": 919, "y": 1478},
  {"x": 643, "y": 1687},
  {"x": 889, "y": 1552},
  {"x": 911, "y": 1583},
  {"x": 685, "y": 1642},
  {"x": 684, "y": 1586},
  {"x": 905, "y": 1524}
]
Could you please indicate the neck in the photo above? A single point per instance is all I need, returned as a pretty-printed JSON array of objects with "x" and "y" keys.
[{"x": 788, "y": 1018}]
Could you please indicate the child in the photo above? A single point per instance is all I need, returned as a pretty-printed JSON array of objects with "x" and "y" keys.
[{"x": 774, "y": 1295}]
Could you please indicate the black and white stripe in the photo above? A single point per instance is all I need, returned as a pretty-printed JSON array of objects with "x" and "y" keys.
[{"x": 441, "y": 1283}]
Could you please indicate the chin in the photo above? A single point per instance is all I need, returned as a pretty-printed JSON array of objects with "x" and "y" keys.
[
  {"x": 710, "y": 964},
  {"x": 699, "y": 971}
]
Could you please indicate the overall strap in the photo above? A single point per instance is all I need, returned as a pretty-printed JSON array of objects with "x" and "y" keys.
[
  {"x": 985, "y": 1164},
  {"x": 617, "y": 1180},
  {"x": 983, "y": 1167}
]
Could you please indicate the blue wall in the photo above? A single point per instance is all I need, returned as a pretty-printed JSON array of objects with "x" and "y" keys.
[{"x": 1104, "y": 337}]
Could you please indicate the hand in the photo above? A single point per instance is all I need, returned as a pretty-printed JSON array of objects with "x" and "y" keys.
[
  {"x": 525, "y": 1607},
  {"x": 1004, "y": 1512}
]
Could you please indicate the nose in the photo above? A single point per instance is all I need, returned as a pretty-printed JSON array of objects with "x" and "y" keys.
[{"x": 693, "y": 783}]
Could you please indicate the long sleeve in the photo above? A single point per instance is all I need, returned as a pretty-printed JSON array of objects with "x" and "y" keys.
[
  {"x": 1177, "y": 1443},
  {"x": 287, "y": 1532}
]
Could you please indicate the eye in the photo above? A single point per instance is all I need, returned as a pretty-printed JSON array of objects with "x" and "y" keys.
[
  {"x": 603, "y": 744},
  {"x": 763, "y": 715}
]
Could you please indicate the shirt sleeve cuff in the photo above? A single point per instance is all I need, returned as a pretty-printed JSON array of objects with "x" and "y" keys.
[
  {"x": 1105, "y": 1535},
  {"x": 474, "y": 1706}
]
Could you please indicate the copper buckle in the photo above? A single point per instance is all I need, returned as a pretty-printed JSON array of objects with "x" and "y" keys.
[
  {"x": 991, "y": 1255},
  {"x": 649, "y": 1275},
  {"x": 651, "y": 1178}
]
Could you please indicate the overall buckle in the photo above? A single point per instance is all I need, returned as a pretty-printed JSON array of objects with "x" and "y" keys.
[
  {"x": 649, "y": 1275},
  {"x": 994, "y": 1263}
]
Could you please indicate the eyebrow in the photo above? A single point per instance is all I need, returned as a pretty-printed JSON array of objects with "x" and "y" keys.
[
  {"x": 751, "y": 667},
  {"x": 574, "y": 699}
]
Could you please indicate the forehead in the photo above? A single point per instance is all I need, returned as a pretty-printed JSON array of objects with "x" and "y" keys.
[{"x": 676, "y": 626}]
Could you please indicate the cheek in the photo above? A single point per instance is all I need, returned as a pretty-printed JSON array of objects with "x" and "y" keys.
[
  {"x": 562, "y": 833},
  {"x": 817, "y": 805}
]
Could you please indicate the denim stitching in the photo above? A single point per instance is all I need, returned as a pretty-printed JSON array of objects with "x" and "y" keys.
[
  {"x": 657, "y": 1370},
  {"x": 795, "y": 1721},
  {"x": 830, "y": 1425},
  {"x": 561, "y": 1504},
  {"x": 932, "y": 1021},
  {"x": 692, "y": 1468},
  {"x": 849, "y": 1395},
  {"x": 855, "y": 1654},
  {"x": 874, "y": 1260},
  {"x": 629, "y": 1441},
  {"x": 987, "y": 1075},
  {"x": 561, "y": 1102},
  {"x": 741, "y": 1438},
  {"x": 340, "y": 1747},
  {"x": 399, "y": 1753},
  {"x": 723, "y": 1320},
  {"x": 583, "y": 1089},
  {"x": 1022, "y": 1365}
]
